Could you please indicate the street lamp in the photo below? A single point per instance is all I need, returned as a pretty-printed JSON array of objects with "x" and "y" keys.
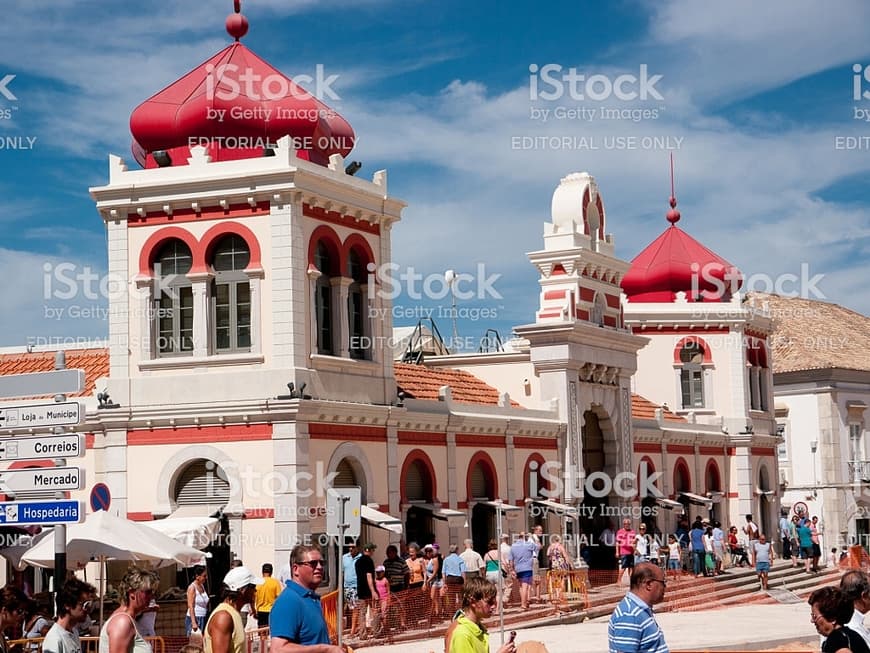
[
  {"x": 814, "y": 445},
  {"x": 450, "y": 278}
]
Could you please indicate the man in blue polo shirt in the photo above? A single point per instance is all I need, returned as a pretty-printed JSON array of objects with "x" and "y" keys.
[
  {"x": 632, "y": 627},
  {"x": 297, "y": 622}
]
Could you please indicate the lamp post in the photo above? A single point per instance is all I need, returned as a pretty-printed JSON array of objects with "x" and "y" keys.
[
  {"x": 450, "y": 278},
  {"x": 814, "y": 445}
]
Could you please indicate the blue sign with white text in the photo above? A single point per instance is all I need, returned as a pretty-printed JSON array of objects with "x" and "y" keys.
[{"x": 14, "y": 513}]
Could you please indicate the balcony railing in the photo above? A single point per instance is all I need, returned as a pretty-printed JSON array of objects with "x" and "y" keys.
[{"x": 859, "y": 470}]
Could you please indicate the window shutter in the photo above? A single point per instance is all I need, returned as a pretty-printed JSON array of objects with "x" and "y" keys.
[
  {"x": 414, "y": 486},
  {"x": 478, "y": 483},
  {"x": 202, "y": 484}
]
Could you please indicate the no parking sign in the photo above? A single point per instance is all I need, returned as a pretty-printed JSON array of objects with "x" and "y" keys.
[{"x": 101, "y": 497}]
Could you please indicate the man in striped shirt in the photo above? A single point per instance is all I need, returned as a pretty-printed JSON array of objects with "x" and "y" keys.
[{"x": 632, "y": 627}]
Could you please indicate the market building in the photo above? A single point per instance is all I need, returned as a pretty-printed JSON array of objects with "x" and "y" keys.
[{"x": 246, "y": 369}]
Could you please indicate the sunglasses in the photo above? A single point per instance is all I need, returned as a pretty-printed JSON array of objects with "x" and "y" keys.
[{"x": 314, "y": 564}]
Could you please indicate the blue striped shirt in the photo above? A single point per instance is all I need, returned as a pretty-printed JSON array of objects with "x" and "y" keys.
[{"x": 633, "y": 628}]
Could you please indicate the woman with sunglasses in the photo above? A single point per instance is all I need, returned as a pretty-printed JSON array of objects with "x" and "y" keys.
[
  {"x": 13, "y": 605},
  {"x": 830, "y": 611},
  {"x": 119, "y": 633},
  {"x": 73, "y": 604}
]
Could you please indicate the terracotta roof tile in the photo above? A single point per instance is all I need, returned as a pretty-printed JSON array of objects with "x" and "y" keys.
[
  {"x": 642, "y": 408},
  {"x": 95, "y": 363},
  {"x": 421, "y": 382},
  {"x": 815, "y": 335}
]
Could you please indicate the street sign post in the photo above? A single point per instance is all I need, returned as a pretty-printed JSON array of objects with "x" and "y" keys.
[
  {"x": 35, "y": 384},
  {"x": 65, "y": 413},
  {"x": 42, "y": 447},
  {"x": 343, "y": 510},
  {"x": 343, "y": 517},
  {"x": 13, "y": 481},
  {"x": 21, "y": 513}
]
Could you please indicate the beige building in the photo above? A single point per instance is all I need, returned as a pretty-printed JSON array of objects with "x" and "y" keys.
[{"x": 821, "y": 365}]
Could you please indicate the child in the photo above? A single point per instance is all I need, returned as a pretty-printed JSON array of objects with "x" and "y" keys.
[
  {"x": 382, "y": 585},
  {"x": 674, "y": 553},
  {"x": 654, "y": 550}
]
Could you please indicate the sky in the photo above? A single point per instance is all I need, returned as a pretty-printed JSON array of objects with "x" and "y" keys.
[{"x": 756, "y": 102}]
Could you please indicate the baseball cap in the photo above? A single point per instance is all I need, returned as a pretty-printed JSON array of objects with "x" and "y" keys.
[
  {"x": 240, "y": 577},
  {"x": 380, "y": 568}
]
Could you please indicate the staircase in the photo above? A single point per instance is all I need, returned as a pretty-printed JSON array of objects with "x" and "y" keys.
[{"x": 737, "y": 586}]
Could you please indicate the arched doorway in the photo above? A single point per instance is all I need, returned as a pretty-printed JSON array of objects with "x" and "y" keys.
[
  {"x": 418, "y": 487},
  {"x": 764, "y": 503},
  {"x": 682, "y": 483},
  {"x": 204, "y": 483},
  {"x": 713, "y": 483},
  {"x": 648, "y": 505},
  {"x": 596, "y": 499},
  {"x": 482, "y": 489}
]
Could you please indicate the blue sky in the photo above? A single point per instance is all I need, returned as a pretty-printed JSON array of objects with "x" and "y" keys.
[{"x": 753, "y": 100}]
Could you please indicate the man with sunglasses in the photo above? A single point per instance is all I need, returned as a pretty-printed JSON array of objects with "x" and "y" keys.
[
  {"x": 296, "y": 622},
  {"x": 73, "y": 605},
  {"x": 633, "y": 626}
]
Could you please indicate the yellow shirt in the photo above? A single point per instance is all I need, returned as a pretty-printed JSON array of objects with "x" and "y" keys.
[
  {"x": 266, "y": 595},
  {"x": 469, "y": 637}
]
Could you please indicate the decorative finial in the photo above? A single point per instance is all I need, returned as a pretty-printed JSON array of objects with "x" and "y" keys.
[
  {"x": 673, "y": 215},
  {"x": 237, "y": 24}
]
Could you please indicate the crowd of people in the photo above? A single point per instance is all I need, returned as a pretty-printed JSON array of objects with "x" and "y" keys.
[
  {"x": 705, "y": 549},
  {"x": 425, "y": 583}
]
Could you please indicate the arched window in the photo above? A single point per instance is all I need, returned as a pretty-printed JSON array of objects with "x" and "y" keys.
[
  {"x": 323, "y": 299},
  {"x": 202, "y": 482},
  {"x": 173, "y": 298},
  {"x": 230, "y": 295},
  {"x": 356, "y": 308},
  {"x": 756, "y": 361},
  {"x": 599, "y": 306},
  {"x": 692, "y": 374},
  {"x": 418, "y": 486}
]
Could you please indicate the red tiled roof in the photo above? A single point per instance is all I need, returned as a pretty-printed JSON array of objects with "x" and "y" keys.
[
  {"x": 814, "y": 335},
  {"x": 642, "y": 408},
  {"x": 95, "y": 363},
  {"x": 421, "y": 382}
]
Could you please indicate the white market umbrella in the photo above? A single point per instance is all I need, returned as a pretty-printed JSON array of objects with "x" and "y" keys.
[
  {"x": 103, "y": 537},
  {"x": 196, "y": 532}
]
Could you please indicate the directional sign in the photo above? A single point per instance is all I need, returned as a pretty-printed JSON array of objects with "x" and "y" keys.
[
  {"x": 20, "y": 513},
  {"x": 62, "y": 413},
  {"x": 35, "y": 384},
  {"x": 13, "y": 481},
  {"x": 43, "y": 446},
  {"x": 344, "y": 500}
]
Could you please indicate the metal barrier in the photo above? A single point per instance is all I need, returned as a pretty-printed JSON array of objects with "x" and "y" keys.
[
  {"x": 89, "y": 644},
  {"x": 329, "y": 607},
  {"x": 257, "y": 641},
  {"x": 568, "y": 585}
]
